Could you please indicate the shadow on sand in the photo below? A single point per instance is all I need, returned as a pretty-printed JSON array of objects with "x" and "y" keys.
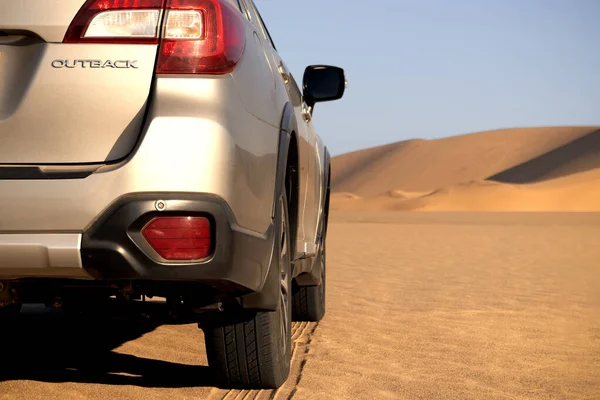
[
  {"x": 53, "y": 347},
  {"x": 577, "y": 156}
]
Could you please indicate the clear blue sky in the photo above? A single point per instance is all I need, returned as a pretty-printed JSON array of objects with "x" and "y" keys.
[{"x": 434, "y": 68}]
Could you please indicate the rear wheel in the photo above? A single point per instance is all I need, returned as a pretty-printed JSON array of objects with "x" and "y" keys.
[
  {"x": 253, "y": 349},
  {"x": 308, "y": 303}
]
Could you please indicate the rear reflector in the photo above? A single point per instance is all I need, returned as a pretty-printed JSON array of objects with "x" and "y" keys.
[{"x": 179, "y": 238}]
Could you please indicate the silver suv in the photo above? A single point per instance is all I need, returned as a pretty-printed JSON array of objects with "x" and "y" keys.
[{"x": 161, "y": 148}]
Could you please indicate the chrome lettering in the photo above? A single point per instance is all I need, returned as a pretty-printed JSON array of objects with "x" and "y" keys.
[{"x": 120, "y": 64}]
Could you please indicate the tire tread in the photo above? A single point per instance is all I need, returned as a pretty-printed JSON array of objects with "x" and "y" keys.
[
  {"x": 307, "y": 304},
  {"x": 243, "y": 346}
]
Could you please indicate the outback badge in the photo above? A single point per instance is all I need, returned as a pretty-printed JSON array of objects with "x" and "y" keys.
[{"x": 94, "y": 64}]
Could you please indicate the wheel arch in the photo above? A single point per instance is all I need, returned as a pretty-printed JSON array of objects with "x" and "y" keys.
[
  {"x": 287, "y": 177},
  {"x": 327, "y": 180},
  {"x": 288, "y": 167}
]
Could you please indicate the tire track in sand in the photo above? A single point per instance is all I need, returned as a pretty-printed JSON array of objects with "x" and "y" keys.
[{"x": 302, "y": 333}]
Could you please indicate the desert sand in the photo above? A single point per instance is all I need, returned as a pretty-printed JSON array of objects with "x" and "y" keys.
[
  {"x": 527, "y": 169},
  {"x": 420, "y": 306}
]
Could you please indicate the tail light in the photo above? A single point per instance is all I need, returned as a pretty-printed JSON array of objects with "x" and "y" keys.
[
  {"x": 197, "y": 36},
  {"x": 116, "y": 21},
  {"x": 200, "y": 37},
  {"x": 179, "y": 238}
]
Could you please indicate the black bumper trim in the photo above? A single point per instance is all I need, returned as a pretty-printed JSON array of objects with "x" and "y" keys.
[{"x": 113, "y": 249}]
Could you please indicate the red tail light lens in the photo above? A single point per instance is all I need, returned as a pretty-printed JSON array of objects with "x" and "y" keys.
[
  {"x": 179, "y": 238},
  {"x": 116, "y": 21},
  {"x": 201, "y": 37},
  {"x": 198, "y": 36}
]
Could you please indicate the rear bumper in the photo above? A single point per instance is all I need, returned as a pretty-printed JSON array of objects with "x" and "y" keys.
[
  {"x": 26, "y": 255},
  {"x": 112, "y": 248}
]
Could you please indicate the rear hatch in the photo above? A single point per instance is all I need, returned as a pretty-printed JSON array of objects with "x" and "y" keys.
[{"x": 74, "y": 78}]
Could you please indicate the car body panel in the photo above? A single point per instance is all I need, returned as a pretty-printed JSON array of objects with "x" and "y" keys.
[
  {"x": 135, "y": 132},
  {"x": 198, "y": 138},
  {"x": 310, "y": 171},
  {"x": 51, "y": 115},
  {"x": 47, "y": 19},
  {"x": 67, "y": 103}
]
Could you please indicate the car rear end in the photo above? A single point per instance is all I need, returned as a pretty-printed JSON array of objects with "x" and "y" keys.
[{"x": 126, "y": 151}]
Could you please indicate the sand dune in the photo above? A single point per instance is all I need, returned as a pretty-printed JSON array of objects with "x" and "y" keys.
[
  {"x": 579, "y": 192},
  {"x": 579, "y": 155},
  {"x": 420, "y": 306},
  {"x": 427, "y": 165},
  {"x": 533, "y": 169},
  {"x": 403, "y": 194},
  {"x": 573, "y": 193},
  {"x": 344, "y": 196}
]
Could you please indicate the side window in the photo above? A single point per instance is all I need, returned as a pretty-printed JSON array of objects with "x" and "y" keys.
[{"x": 265, "y": 31}]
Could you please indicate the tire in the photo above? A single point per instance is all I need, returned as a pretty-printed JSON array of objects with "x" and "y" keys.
[
  {"x": 252, "y": 350},
  {"x": 308, "y": 302}
]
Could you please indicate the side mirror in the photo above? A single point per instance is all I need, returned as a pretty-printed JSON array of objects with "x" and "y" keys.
[{"x": 323, "y": 83}]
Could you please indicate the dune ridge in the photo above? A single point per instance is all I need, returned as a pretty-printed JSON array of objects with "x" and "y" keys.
[{"x": 521, "y": 169}]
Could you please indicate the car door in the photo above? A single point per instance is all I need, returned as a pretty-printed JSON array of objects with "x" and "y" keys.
[{"x": 288, "y": 90}]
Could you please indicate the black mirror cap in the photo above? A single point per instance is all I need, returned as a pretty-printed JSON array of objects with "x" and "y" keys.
[{"x": 323, "y": 83}]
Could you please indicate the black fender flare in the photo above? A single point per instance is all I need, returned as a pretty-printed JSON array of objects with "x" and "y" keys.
[
  {"x": 268, "y": 298},
  {"x": 324, "y": 222},
  {"x": 288, "y": 125}
]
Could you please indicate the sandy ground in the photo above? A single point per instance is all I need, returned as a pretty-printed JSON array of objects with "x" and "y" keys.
[{"x": 420, "y": 306}]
